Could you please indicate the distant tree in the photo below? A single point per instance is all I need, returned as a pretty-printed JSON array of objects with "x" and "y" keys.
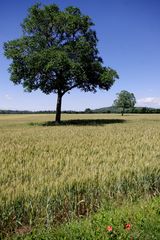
[
  {"x": 56, "y": 53},
  {"x": 88, "y": 110},
  {"x": 125, "y": 100},
  {"x": 144, "y": 110}
]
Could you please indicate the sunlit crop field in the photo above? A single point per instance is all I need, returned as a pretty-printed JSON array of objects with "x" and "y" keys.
[{"x": 50, "y": 174}]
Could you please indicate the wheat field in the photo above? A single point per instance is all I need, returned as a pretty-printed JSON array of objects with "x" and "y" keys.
[{"x": 52, "y": 173}]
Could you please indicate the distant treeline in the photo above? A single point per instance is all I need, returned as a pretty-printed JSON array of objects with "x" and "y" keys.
[
  {"x": 145, "y": 110},
  {"x": 118, "y": 110},
  {"x": 88, "y": 110},
  {"x": 35, "y": 112}
]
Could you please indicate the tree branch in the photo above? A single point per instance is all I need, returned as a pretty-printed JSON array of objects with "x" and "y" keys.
[{"x": 70, "y": 88}]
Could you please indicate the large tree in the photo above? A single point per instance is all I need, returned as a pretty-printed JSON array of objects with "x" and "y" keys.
[
  {"x": 125, "y": 100},
  {"x": 56, "y": 53}
]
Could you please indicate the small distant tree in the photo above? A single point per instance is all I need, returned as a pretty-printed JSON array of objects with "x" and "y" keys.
[
  {"x": 88, "y": 110},
  {"x": 56, "y": 53},
  {"x": 125, "y": 100}
]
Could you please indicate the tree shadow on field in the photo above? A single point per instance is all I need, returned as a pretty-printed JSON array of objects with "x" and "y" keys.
[{"x": 82, "y": 122}]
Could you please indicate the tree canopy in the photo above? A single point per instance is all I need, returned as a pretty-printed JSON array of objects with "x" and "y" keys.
[
  {"x": 125, "y": 100},
  {"x": 57, "y": 52}
]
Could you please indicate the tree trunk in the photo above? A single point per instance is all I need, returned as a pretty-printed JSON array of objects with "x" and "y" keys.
[
  {"x": 58, "y": 108},
  {"x": 122, "y": 111}
]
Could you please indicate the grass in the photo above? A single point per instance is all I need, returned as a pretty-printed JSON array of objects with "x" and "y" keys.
[
  {"x": 142, "y": 217},
  {"x": 53, "y": 175}
]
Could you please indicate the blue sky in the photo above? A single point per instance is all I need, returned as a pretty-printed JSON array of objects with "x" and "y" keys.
[{"x": 129, "y": 41}]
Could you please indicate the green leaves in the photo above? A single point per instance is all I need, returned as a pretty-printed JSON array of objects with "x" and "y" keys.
[
  {"x": 125, "y": 100},
  {"x": 107, "y": 78},
  {"x": 57, "y": 50}
]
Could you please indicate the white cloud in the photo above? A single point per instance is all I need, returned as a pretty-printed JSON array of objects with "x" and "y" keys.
[
  {"x": 149, "y": 101},
  {"x": 7, "y": 97}
]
